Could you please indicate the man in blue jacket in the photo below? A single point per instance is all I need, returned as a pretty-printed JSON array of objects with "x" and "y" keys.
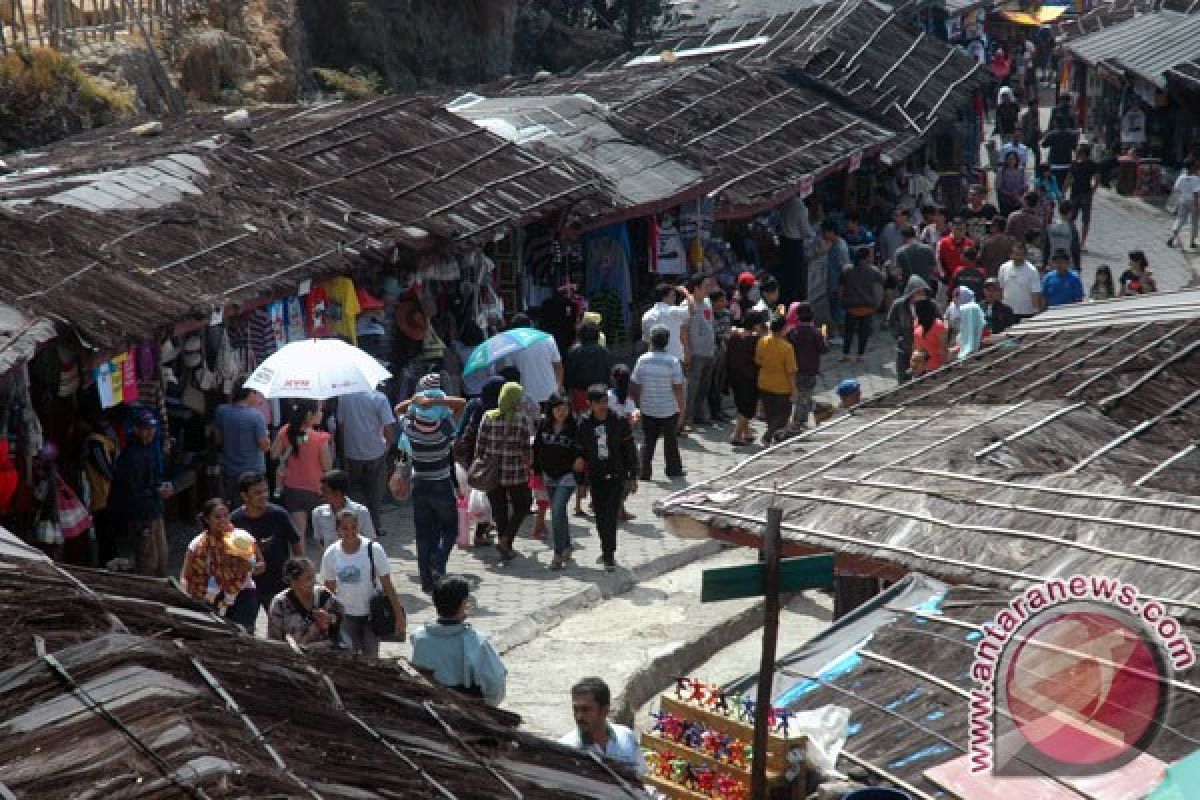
[{"x": 452, "y": 653}]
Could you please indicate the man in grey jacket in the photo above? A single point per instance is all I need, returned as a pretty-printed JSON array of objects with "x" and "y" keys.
[{"x": 900, "y": 323}]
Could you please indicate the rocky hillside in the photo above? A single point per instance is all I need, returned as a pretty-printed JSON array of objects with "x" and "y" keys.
[{"x": 44, "y": 96}]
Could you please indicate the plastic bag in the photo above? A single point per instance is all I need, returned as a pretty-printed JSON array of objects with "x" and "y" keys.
[
  {"x": 464, "y": 524},
  {"x": 479, "y": 510},
  {"x": 826, "y": 729}
]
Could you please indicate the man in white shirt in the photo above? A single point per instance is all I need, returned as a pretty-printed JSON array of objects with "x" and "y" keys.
[
  {"x": 1020, "y": 284},
  {"x": 1187, "y": 189},
  {"x": 673, "y": 317},
  {"x": 334, "y": 485},
  {"x": 590, "y": 700},
  {"x": 540, "y": 365},
  {"x": 657, "y": 387}
]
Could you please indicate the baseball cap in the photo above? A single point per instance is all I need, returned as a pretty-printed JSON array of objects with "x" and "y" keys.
[
  {"x": 848, "y": 387},
  {"x": 597, "y": 391},
  {"x": 746, "y": 279}
]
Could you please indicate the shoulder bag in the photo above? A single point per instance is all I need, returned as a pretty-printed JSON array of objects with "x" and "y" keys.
[{"x": 381, "y": 618}]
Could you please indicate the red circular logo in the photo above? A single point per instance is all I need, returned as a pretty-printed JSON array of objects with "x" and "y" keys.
[{"x": 1084, "y": 687}]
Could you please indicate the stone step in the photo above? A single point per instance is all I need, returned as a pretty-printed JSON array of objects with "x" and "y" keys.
[{"x": 637, "y": 641}]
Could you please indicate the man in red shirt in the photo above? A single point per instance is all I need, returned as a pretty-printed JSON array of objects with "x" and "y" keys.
[{"x": 951, "y": 249}]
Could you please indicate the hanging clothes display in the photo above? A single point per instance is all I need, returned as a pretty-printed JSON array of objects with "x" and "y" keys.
[
  {"x": 607, "y": 257},
  {"x": 343, "y": 309},
  {"x": 294, "y": 329},
  {"x": 671, "y": 254}
]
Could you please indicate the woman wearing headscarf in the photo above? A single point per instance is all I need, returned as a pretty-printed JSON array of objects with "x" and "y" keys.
[
  {"x": 505, "y": 437},
  {"x": 970, "y": 324}
]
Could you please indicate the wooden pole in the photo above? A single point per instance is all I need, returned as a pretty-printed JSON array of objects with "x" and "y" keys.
[{"x": 771, "y": 547}]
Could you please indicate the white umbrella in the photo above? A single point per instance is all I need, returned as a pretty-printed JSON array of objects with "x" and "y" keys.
[{"x": 317, "y": 369}]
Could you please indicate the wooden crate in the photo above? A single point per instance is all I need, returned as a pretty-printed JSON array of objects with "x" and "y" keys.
[
  {"x": 651, "y": 741},
  {"x": 673, "y": 790},
  {"x": 777, "y": 746}
]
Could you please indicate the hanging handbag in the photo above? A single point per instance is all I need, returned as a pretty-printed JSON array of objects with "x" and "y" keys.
[
  {"x": 381, "y": 618},
  {"x": 484, "y": 474},
  {"x": 400, "y": 483}
]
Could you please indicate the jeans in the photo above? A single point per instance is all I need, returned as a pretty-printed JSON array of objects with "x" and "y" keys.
[
  {"x": 803, "y": 405},
  {"x": 606, "y": 497},
  {"x": 698, "y": 380},
  {"x": 856, "y": 326},
  {"x": 361, "y": 638},
  {"x": 903, "y": 364},
  {"x": 510, "y": 506},
  {"x": 668, "y": 429},
  {"x": 716, "y": 386},
  {"x": 1185, "y": 211},
  {"x": 435, "y": 522},
  {"x": 368, "y": 481},
  {"x": 560, "y": 498}
]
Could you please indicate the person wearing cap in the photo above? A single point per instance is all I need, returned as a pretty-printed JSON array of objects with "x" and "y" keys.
[
  {"x": 997, "y": 315},
  {"x": 849, "y": 393},
  {"x": 900, "y": 321},
  {"x": 427, "y": 436},
  {"x": 139, "y": 486},
  {"x": 746, "y": 296},
  {"x": 1061, "y": 285},
  {"x": 657, "y": 387},
  {"x": 220, "y": 565},
  {"x": 608, "y": 455}
]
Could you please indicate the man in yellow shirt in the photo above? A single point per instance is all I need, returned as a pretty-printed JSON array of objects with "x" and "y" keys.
[{"x": 776, "y": 361}]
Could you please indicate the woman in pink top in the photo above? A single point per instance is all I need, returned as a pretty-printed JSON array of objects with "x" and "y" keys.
[
  {"x": 929, "y": 338},
  {"x": 304, "y": 458}
]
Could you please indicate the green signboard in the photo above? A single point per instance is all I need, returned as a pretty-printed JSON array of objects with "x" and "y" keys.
[{"x": 748, "y": 580}]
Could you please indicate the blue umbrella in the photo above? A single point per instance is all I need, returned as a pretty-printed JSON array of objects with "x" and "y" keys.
[{"x": 502, "y": 345}]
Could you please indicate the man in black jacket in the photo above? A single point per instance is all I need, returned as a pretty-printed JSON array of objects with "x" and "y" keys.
[
  {"x": 138, "y": 483},
  {"x": 609, "y": 456}
]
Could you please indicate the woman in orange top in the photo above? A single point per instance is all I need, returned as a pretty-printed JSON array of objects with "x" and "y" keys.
[
  {"x": 309, "y": 455},
  {"x": 929, "y": 338}
]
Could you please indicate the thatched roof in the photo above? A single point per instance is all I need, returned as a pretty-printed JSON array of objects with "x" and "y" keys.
[
  {"x": 118, "y": 686},
  {"x": 854, "y": 48},
  {"x": 1067, "y": 449},
  {"x": 901, "y": 665},
  {"x": 753, "y": 135},
  {"x": 118, "y": 234}
]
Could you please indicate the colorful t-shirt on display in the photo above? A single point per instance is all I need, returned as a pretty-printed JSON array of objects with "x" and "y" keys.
[
  {"x": 294, "y": 329},
  {"x": 317, "y": 305},
  {"x": 277, "y": 314},
  {"x": 343, "y": 308}
]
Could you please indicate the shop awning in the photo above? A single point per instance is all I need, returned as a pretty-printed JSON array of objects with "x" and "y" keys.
[{"x": 1041, "y": 16}]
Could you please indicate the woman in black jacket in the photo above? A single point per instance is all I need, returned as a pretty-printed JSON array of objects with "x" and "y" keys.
[{"x": 554, "y": 454}]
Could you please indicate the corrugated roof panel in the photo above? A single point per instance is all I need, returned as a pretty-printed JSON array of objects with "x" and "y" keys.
[{"x": 1148, "y": 45}]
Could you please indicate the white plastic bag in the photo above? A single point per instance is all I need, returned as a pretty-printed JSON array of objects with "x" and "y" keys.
[
  {"x": 826, "y": 728},
  {"x": 479, "y": 510}
]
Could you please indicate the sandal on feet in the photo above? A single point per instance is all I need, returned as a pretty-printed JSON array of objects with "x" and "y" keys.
[{"x": 556, "y": 563}]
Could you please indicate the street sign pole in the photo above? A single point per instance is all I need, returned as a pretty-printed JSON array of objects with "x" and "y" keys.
[{"x": 766, "y": 669}]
